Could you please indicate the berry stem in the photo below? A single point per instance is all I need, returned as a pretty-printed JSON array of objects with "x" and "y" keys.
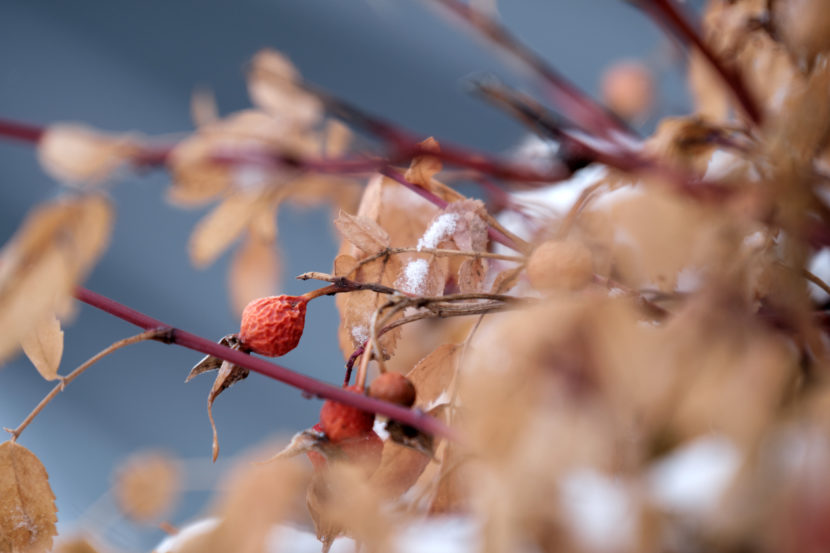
[{"x": 309, "y": 385}]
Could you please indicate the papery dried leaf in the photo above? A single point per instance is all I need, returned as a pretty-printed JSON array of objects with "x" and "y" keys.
[
  {"x": 272, "y": 85},
  {"x": 254, "y": 272},
  {"x": 400, "y": 467},
  {"x": 424, "y": 167},
  {"x": 44, "y": 346},
  {"x": 80, "y": 154},
  {"x": 312, "y": 190},
  {"x": 49, "y": 255},
  {"x": 344, "y": 265},
  {"x": 471, "y": 275},
  {"x": 203, "y": 108},
  {"x": 301, "y": 442},
  {"x": 217, "y": 230},
  {"x": 256, "y": 497},
  {"x": 147, "y": 485},
  {"x": 74, "y": 545},
  {"x": 411, "y": 437},
  {"x": 434, "y": 374},
  {"x": 27, "y": 504},
  {"x": 710, "y": 96},
  {"x": 211, "y": 363},
  {"x": 338, "y": 137},
  {"x": 363, "y": 232},
  {"x": 228, "y": 375},
  {"x": 404, "y": 216},
  {"x": 506, "y": 280},
  {"x": 470, "y": 232}
]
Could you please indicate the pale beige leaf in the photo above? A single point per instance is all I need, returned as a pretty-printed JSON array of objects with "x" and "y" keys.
[
  {"x": 228, "y": 375},
  {"x": 272, "y": 85},
  {"x": 254, "y": 272},
  {"x": 43, "y": 345},
  {"x": 338, "y": 137},
  {"x": 147, "y": 486},
  {"x": 470, "y": 230},
  {"x": 344, "y": 265},
  {"x": 79, "y": 154},
  {"x": 301, "y": 442},
  {"x": 471, "y": 275},
  {"x": 506, "y": 280},
  {"x": 27, "y": 504},
  {"x": 424, "y": 167},
  {"x": 203, "y": 108},
  {"x": 433, "y": 374},
  {"x": 217, "y": 230},
  {"x": 40, "y": 266},
  {"x": 363, "y": 232}
]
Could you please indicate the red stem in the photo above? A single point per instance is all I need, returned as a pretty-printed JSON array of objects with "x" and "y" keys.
[
  {"x": 678, "y": 23},
  {"x": 309, "y": 385},
  {"x": 21, "y": 131}
]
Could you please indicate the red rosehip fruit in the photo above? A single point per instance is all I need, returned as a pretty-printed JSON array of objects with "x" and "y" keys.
[
  {"x": 341, "y": 422},
  {"x": 394, "y": 388},
  {"x": 273, "y": 325}
]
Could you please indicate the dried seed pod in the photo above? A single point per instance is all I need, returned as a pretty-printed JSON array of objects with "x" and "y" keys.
[
  {"x": 394, "y": 388},
  {"x": 273, "y": 325},
  {"x": 560, "y": 265}
]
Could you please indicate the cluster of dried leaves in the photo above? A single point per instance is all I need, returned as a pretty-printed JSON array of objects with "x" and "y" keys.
[{"x": 698, "y": 322}]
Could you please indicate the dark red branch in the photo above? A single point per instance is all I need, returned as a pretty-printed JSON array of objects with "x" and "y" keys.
[
  {"x": 678, "y": 24},
  {"x": 20, "y": 131},
  {"x": 309, "y": 385}
]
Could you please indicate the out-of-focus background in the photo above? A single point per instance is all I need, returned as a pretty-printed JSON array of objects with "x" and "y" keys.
[{"x": 133, "y": 66}]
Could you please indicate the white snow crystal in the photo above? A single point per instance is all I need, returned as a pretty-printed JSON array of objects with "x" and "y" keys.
[
  {"x": 600, "y": 509},
  {"x": 360, "y": 333},
  {"x": 440, "y": 229},
  {"x": 415, "y": 276}
]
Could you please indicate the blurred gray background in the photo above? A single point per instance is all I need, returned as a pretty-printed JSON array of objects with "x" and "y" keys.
[{"x": 133, "y": 66}]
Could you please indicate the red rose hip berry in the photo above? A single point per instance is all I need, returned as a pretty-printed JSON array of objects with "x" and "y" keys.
[
  {"x": 341, "y": 422},
  {"x": 273, "y": 325},
  {"x": 394, "y": 388}
]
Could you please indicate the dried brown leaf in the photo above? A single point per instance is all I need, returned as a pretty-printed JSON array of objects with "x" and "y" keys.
[
  {"x": 211, "y": 363},
  {"x": 471, "y": 275},
  {"x": 272, "y": 85},
  {"x": 363, "y": 232},
  {"x": 506, "y": 280},
  {"x": 424, "y": 167},
  {"x": 27, "y": 504},
  {"x": 434, "y": 374},
  {"x": 49, "y": 255},
  {"x": 301, "y": 442},
  {"x": 147, "y": 485},
  {"x": 344, "y": 265},
  {"x": 80, "y": 154},
  {"x": 217, "y": 230},
  {"x": 254, "y": 272},
  {"x": 43, "y": 345},
  {"x": 228, "y": 375},
  {"x": 74, "y": 545},
  {"x": 338, "y": 137}
]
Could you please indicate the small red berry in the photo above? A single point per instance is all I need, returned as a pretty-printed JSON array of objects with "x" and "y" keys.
[
  {"x": 394, "y": 388},
  {"x": 273, "y": 325},
  {"x": 341, "y": 422}
]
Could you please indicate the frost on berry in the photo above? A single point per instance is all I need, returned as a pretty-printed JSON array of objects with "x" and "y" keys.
[
  {"x": 394, "y": 388},
  {"x": 341, "y": 422},
  {"x": 273, "y": 325},
  {"x": 560, "y": 265}
]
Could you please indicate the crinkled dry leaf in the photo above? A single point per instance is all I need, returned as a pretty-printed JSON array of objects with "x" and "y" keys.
[
  {"x": 43, "y": 345},
  {"x": 254, "y": 272},
  {"x": 363, "y": 232},
  {"x": 272, "y": 85},
  {"x": 217, "y": 230},
  {"x": 228, "y": 375},
  {"x": 471, "y": 275},
  {"x": 338, "y": 137},
  {"x": 256, "y": 497},
  {"x": 301, "y": 442},
  {"x": 404, "y": 216},
  {"x": 147, "y": 485},
  {"x": 434, "y": 374},
  {"x": 424, "y": 167},
  {"x": 710, "y": 96},
  {"x": 27, "y": 504},
  {"x": 49, "y": 255},
  {"x": 79, "y": 154},
  {"x": 506, "y": 280},
  {"x": 211, "y": 363},
  {"x": 344, "y": 265}
]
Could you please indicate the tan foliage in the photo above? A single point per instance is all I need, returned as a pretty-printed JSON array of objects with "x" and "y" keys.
[
  {"x": 254, "y": 272},
  {"x": 44, "y": 346},
  {"x": 146, "y": 486},
  {"x": 49, "y": 255},
  {"x": 79, "y": 154},
  {"x": 27, "y": 504}
]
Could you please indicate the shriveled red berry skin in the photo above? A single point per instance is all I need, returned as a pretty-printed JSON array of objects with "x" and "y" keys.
[
  {"x": 342, "y": 422},
  {"x": 273, "y": 325},
  {"x": 394, "y": 388}
]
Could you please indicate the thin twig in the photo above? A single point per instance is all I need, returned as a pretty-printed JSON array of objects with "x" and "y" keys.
[{"x": 154, "y": 334}]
